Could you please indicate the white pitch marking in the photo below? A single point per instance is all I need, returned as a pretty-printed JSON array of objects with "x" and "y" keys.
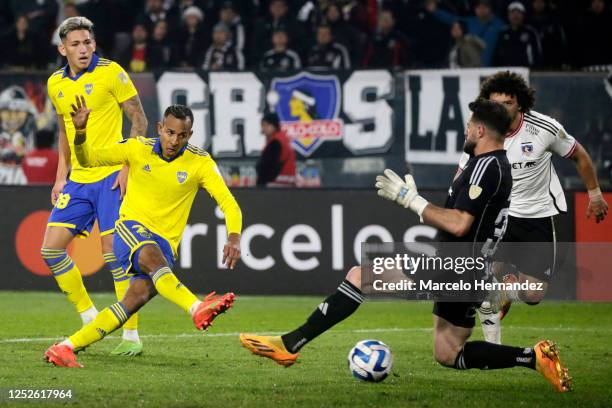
[{"x": 374, "y": 330}]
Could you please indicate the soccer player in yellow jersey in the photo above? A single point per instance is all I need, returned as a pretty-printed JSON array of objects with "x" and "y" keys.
[
  {"x": 164, "y": 177},
  {"x": 89, "y": 194}
]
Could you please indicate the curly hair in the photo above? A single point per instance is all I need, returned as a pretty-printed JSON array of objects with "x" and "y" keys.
[{"x": 509, "y": 83}]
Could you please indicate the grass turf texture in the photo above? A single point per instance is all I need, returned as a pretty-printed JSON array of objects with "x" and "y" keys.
[{"x": 182, "y": 367}]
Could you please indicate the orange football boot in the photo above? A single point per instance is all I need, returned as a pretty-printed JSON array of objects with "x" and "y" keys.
[
  {"x": 210, "y": 307},
  {"x": 550, "y": 366},
  {"x": 62, "y": 356},
  {"x": 271, "y": 347}
]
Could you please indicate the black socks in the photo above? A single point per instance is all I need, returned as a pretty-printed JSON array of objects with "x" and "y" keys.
[
  {"x": 337, "y": 307},
  {"x": 489, "y": 356}
]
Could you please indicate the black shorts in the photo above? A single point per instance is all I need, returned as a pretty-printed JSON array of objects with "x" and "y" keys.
[
  {"x": 537, "y": 257},
  {"x": 462, "y": 314}
]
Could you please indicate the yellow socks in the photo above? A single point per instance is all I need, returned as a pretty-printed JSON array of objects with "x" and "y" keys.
[
  {"x": 107, "y": 321},
  {"x": 68, "y": 278},
  {"x": 172, "y": 289},
  {"x": 122, "y": 282}
]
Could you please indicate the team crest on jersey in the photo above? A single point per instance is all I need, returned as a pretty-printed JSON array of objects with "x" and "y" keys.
[
  {"x": 474, "y": 191},
  {"x": 88, "y": 88},
  {"x": 60, "y": 95},
  {"x": 142, "y": 231},
  {"x": 527, "y": 148},
  {"x": 307, "y": 106},
  {"x": 181, "y": 176}
]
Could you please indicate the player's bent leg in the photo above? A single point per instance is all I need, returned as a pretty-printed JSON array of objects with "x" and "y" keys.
[
  {"x": 107, "y": 321},
  {"x": 152, "y": 261},
  {"x": 452, "y": 349},
  {"x": 337, "y": 307},
  {"x": 448, "y": 341},
  {"x": 130, "y": 344},
  {"x": 65, "y": 271}
]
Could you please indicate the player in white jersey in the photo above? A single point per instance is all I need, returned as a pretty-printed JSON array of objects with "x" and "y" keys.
[{"x": 536, "y": 197}]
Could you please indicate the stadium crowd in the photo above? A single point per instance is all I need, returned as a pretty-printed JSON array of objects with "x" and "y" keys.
[{"x": 153, "y": 35}]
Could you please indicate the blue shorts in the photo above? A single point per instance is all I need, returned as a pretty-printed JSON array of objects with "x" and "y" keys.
[
  {"x": 130, "y": 237},
  {"x": 80, "y": 204}
]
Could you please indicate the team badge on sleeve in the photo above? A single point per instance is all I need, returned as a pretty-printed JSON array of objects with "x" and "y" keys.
[
  {"x": 181, "y": 176},
  {"x": 123, "y": 77},
  {"x": 474, "y": 191},
  {"x": 527, "y": 148}
]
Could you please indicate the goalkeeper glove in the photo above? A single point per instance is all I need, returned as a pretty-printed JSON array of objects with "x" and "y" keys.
[{"x": 393, "y": 188}]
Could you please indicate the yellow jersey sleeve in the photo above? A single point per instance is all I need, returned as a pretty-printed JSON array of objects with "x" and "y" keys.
[
  {"x": 52, "y": 91},
  {"x": 211, "y": 180},
  {"x": 121, "y": 85},
  {"x": 118, "y": 153}
]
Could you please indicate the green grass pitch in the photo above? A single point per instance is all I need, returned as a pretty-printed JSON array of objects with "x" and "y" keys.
[{"x": 185, "y": 368}]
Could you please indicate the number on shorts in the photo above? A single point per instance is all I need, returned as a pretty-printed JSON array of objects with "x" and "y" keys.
[{"x": 62, "y": 201}]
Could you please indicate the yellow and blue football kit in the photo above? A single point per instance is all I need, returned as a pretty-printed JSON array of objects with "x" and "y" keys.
[
  {"x": 154, "y": 212},
  {"x": 157, "y": 204},
  {"x": 87, "y": 195}
]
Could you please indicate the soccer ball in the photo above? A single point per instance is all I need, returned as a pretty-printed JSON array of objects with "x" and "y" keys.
[{"x": 370, "y": 360}]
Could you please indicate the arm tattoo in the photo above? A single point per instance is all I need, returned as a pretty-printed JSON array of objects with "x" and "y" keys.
[{"x": 133, "y": 109}]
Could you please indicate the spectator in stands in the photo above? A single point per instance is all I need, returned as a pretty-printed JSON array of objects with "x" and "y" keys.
[
  {"x": 343, "y": 32},
  {"x": 327, "y": 53},
  {"x": 276, "y": 166},
  {"x": 193, "y": 39},
  {"x": 40, "y": 164},
  {"x": 134, "y": 56},
  {"x": 551, "y": 33},
  {"x": 22, "y": 47},
  {"x": 519, "y": 44},
  {"x": 159, "y": 49},
  {"x": 388, "y": 47},
  {"x": 483, "y": 24},
  {"x": 594, "y": 46},
  {"x": 278, "y": 18},
  {"x": 467, "y": 50},
  {"x": 230, "y": 17},
  {"x": 39, "y": 13},
  {"x": 155, "y": 12},
  {"x": 428, "y": 37},
  {"x": 221, "y": 56},
  {"x": 280, "y": 58}
]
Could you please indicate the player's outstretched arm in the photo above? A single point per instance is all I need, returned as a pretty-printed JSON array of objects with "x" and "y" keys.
[
  {"x": 391, "y": 187},
  {"x": 87, "y": 157},
  {"x": 584, "y": 166},
  {"x": 212, "y": 181}
]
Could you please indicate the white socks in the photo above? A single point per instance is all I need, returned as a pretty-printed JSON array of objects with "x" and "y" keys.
[
  {"x": 89, "y": 315},
  {"x": 193, "y": 307},
  {"x": 131, "y": 335},
  {"x": 67, "y": 343}
]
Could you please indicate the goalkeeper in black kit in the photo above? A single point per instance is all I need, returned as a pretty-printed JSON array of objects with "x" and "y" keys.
[{"x": 476, "y": 211}]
